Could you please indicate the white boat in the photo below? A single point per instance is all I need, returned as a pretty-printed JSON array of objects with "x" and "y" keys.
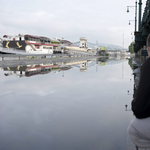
[{"x": 31, "y": 44}]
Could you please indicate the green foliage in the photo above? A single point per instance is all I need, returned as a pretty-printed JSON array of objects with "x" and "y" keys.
[
  {"x": 130, "y": 63},
  {"x": 102, "y": 48},
  {"x": 31, "y": 57},
  {"x": 104, "y": 54},
  {"x": 55, "y": 42},
  {"x": 56, "y": 68},
  {"x": 131, "y": 47}
]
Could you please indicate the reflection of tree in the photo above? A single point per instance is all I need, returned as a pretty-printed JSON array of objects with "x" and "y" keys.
[{"x": 130, "y": 63}]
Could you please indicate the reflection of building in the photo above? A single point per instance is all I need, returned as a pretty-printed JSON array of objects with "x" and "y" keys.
[
  {"x": 29, "y": 70},
  {"x": 76, "y": 62},
  {"x": 80, "y": 64},
  {"x": 136, "y": 72},
  {"x": 83, "y": 67},
  {"x": 36, "y": 69},
  {"x": 55, "y": 67}
]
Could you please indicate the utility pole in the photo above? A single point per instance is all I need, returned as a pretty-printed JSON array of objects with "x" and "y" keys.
[{"x": 123, "y": 41}]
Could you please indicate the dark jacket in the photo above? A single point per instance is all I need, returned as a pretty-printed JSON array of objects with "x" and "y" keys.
[{"x": 141, "y": 102}]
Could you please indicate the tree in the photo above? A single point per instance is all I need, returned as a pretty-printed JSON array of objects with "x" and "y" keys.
[{"x": 131, "y": 47}]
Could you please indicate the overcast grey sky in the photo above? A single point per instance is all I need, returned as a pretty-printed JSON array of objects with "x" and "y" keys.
[{"x": 105, "y": 21}]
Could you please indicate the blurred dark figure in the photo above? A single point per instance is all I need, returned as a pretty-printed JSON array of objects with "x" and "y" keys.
[{"x": 139, "y": 128}]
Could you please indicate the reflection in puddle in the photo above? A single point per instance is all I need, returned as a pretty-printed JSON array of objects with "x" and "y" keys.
[
  {"x": 83, "y": 110},
  {"x": 55, "y": 67}
]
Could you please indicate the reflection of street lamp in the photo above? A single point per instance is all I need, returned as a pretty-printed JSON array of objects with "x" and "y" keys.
[
  {"x": 130, "y": 21},
  {"x": 126, "y": 108},
  {"x": 135, "y": 13},
  {"x": 136, "y": 147}
]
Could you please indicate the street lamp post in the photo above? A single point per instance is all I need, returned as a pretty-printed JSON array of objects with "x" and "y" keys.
[
  {"x": 135, "y": 14},
  {"x": 140, "y": 12}
]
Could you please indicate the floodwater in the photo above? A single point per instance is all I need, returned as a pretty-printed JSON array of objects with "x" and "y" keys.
[{"x": 74, "y": 106}]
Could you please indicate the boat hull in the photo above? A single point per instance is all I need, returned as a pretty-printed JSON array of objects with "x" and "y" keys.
[{"x": 33, "y": 48}]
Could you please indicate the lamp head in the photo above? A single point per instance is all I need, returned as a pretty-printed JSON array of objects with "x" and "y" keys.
[{"x": 127, "y": 9}]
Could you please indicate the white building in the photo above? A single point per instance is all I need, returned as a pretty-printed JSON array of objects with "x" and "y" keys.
[{"x": 83, "y": 41}]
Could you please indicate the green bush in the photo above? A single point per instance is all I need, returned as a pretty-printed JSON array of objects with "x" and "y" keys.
[
  {"x": 131, "y": 48},
  {"x": 55, "y": 42}
]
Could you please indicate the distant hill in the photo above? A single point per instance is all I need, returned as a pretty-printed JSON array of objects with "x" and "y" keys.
[{"x": 107, "y": 46}]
